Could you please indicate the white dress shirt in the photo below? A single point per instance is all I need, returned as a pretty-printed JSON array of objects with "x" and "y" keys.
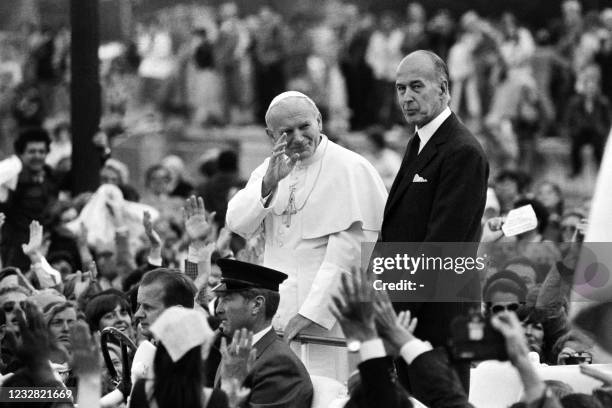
[
  {"x": 259, "y": 335},
  {"x": 426, "y": 132}
]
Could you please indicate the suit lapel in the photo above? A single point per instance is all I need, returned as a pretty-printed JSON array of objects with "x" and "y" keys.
[
  {"x": 428, "y": 153},
  {"x": 407, "y": 173},
  {"x": 265, "y": 342},
  {"x": 405, "y": 164}
]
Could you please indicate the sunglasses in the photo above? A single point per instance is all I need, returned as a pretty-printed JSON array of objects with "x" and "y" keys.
[
  {"x": 9, "y": 306},
  {"x": 511, "y": 307}
]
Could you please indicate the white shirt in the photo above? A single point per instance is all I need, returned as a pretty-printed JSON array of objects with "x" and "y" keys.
[
  {"x": 410, "y": 351},
  {"x": 259, "y": 335},
  {"x": 426, "y": 132}
]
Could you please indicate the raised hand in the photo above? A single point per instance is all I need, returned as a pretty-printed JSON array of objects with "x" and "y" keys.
[
  {"x": 85, "y": 350},
  {"x": 36, "y": 340},
  {"x": 511, "y": 328},
  {"x": 236, "y": 394},
  {"x": 223, "y": 240},
  {"x": 279, "y": 167},
  {"x": 398, "y": 329},
  {"x": 353, "y": 306},
  {"x": 152, "y": 235},
  {"x": 33, "y": 248},
  {"x": 237, "y": 359},
  {"x": 198, "y": 224}
]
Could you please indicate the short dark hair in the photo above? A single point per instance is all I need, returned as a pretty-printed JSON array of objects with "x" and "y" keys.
[
  {"x": 102, "y": 303},
  {"x": 521, "y": 179},
  {"x": 31, "y": 135},
  {"x": 507, "y": 282},
  {"x": 179, "y": 290},
  {"x": 524, "y": 261},
  {"x": 271, "y": 298},
  {"x": 227, "y": 161}
]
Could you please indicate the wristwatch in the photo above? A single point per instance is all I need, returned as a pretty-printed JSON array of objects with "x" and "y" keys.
[{"x": 353, "y": 346}]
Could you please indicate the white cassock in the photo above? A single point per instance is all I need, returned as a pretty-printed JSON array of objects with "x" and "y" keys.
[{"x": 338, "y": 203}]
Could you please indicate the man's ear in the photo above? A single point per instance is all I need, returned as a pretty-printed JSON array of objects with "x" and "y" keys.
[
  {"x": 320, "y": 121},
  {"x": 444, "y": 87},
  {"x": 2, "y": 331},
  {"x": 259, "y": 304}
]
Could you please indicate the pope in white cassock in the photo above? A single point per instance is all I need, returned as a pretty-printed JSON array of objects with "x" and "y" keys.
[{"x": 315, "y": 202}]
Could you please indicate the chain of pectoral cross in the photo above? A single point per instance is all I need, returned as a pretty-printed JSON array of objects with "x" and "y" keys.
[{"x": 291, "y": 208}]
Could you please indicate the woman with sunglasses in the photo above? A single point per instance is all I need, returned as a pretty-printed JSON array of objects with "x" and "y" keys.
[{"x": 504, "y": 291}]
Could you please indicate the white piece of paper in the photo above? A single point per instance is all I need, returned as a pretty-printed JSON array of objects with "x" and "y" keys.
[{"x": 520, "y": 220}]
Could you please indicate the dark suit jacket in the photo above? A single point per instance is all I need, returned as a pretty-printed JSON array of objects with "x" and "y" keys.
[
  {"x": 278, "y": 378},
  {"x": 446, "y": 208},
  {"x": 449, "y": 206},
  {"x": 435, "y": 382},
  {"x": 378, "y": 386}
]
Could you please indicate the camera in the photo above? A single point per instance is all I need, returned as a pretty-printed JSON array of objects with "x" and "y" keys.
[{"x": 473, "y": 338}]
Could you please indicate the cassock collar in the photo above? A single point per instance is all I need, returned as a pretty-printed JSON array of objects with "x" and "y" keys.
[
  {"x": 426, "y": 132},
  {"x": 318, "y": 154}
]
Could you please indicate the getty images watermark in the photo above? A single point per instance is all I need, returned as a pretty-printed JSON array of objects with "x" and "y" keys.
[{"x": 455, "y": 272}]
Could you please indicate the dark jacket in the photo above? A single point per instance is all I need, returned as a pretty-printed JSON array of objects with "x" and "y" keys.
[
  {"x": 278, "y": 378},
  {"x": 448, "y": 207}
]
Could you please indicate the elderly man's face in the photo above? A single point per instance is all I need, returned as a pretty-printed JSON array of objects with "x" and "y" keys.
[
  {"x": 296, "y": 117},
  {"x": 150, "y": 305},
  {"x": 420, "y": 93},
  {"x": 234, "y": 311}
]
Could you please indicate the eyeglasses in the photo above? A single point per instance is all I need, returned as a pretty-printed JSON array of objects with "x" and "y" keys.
[
  {"x": 9, "y": 306},
  {"x": 510, "y": 307}
]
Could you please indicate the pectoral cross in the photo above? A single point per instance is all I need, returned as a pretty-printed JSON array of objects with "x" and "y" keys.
[{"x": 290, "y": 209}]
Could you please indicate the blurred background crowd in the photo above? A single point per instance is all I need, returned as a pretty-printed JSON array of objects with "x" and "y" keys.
[{"x": 537, "y": 97}]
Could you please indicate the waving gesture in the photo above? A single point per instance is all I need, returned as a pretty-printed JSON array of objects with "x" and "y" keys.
[
  {"x": 198, "y": 224},
  {"x": 279, "y": 167},
  {"x": 34, "y": 246},
  {"x": 237, "y": 359}
]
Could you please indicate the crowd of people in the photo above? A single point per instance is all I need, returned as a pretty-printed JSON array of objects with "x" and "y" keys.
[
  {"x": 512, "y": 85},
  {"x": 204, "y": 294}
]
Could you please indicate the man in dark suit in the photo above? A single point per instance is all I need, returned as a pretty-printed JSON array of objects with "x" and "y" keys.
[
  {"x": 439, "y": 193},
  {"x": 248, "y": 299}
]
